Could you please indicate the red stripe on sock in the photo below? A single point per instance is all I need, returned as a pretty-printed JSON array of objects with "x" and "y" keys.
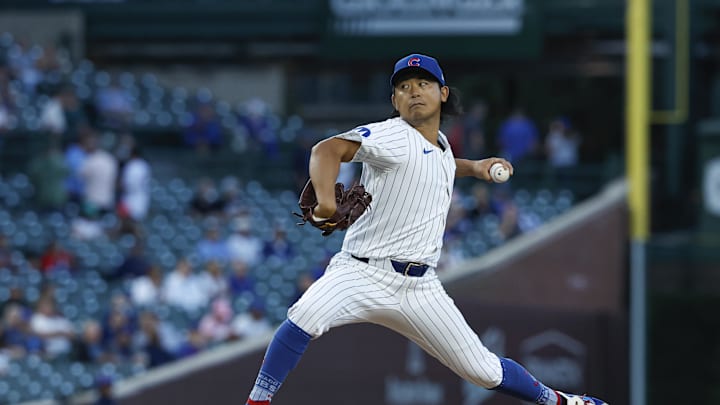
[{"x": 251, "y": 402}]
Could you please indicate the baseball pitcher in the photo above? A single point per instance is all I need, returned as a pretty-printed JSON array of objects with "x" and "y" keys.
[{"x": 395, "y": 220}]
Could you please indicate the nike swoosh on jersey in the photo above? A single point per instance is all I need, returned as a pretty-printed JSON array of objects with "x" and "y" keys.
[{"x": 426, "y": 151}]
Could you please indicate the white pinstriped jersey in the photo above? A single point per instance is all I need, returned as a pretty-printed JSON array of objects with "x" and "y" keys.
[{"x": 411, "y": 182}]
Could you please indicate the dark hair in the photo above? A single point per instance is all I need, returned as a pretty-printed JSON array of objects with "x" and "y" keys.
[
  {"x": 453, "y": 106},
  {"x": 448, "y": 109}
]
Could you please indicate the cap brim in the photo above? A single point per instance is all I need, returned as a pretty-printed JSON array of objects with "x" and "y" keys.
[{"x": 412, "y": 72}]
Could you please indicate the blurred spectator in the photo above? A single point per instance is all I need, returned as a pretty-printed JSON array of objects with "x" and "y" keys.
[
  {"x": 62, "y": 115},
  {"x": 254, "y": 118},
  {"x": 23, "y": 60},
  {"x": 279, "y": 246},
  {"x": 242, "y": 244},
  {"x": 482, "y": 202},
  {"x": 518, "y": 137},
  {"x": 212, "y": 280},
  {"x": 252, "y": 323},
  {"x": 49, "y": 62},
  {"x": 17, "y": 298},
  {"x": 118, "y": 329},
  {"x": 204, "y": 132},
  {"x": 508, "y": 213},
  {"x": 48, "y": 172},
  {"x": 4, "y": 357},
  {"x": 182, "y": 290},
  {"x": 87, "y": 226},
  {"x": 6, "y": 252},
  {"x": 135, "y": 186},
  {"x": 212, "y": 247},
  {"x": 114, "y": 105},
  {"x": 5, "y": 354},
  {"x": 239, "y": 281},
  {"x": 120, "y": 303},
  {"x": 466, "y": 133},
  {"x": 500, "y": 204},
  {"x": 473, "y": 125},
  {"x": 233, "y": 202},
  {"x": 88, "y": 347},
  {"x": 99, "y": 172},
  {"x": 48, "y": 290},
  {"x": 53, "y": 328},
  {"x": 147, "y": 290},
  {"x": 75, "y": 156},
  {"x": 216, "y": 325},
  {"x": 509, "y": 226},
  {"x": 123, "y": 147},
  {"x": 207, "y": 199},
  {"x": 52, "y": 116},
  {"x": 150, "y": 341},
  {"x": 562, "y": 144},
  {"x": 7, "y": 103},
  {"x": 56, "y": 258},
  {"x": 6, "y": 117},
  {"x": 193, "y": 344},
  {"x": 104, "y": 386},
  {"x": 17, "y": 334},
  {"x": 135, "y": 263}
]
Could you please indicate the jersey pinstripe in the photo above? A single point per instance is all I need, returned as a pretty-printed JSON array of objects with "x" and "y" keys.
[
  {"x": 411, "y": 181},
  {"x": 352, "y": 291}
]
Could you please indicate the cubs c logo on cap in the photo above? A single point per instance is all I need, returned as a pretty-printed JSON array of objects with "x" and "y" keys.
[{"x": 416, "y": 60}]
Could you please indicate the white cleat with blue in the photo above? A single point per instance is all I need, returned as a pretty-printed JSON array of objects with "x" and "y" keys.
[{"x": 580, "y": 399}]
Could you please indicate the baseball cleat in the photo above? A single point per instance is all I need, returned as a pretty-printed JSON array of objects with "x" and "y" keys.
[{"x": 580, "y": 399}]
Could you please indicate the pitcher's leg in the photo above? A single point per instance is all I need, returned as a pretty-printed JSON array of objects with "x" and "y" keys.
[
  {"x": 341, "y": 296},
  {"x": 436, "y": 319},
  {"x": 345, "y": 294},
  {"x": 291, "y": 339},
  {"x": 282, "y": 355}
]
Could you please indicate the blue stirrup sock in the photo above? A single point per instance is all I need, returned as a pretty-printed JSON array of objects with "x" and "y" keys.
[
  {"x": 519, "y": 383},
  {"x": 282, "y": 355}
]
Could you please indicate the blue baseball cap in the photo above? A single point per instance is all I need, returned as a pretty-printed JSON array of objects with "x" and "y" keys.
[{"x": 417, "y": 60}]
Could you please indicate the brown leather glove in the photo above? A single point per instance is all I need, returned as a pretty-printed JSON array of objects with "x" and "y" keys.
[{"x": 351, "y": 204}]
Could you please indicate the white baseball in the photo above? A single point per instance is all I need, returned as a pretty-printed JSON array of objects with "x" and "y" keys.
[{"x": 499, "y": 173}]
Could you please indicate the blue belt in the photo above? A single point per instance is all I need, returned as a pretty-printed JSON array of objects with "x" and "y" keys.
[{"x": 411, "y": 269}]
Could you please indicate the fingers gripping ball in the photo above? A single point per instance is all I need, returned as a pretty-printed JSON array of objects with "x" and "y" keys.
[
  {"x": 351, "y": 204},
  {"x": 499, "y": 173}
]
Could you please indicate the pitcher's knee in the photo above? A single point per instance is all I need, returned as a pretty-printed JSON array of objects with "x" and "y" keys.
[
  {"x": 490, "y": 379},
  {"x": 488, "y": 374},
  {"x": 301, "y": 314}
]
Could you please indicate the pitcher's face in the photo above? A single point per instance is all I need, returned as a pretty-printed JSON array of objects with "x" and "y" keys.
[{"x": 418, "y": 99}]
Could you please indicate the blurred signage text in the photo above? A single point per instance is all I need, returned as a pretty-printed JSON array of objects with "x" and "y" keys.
[{"x": 428, "y": 17}]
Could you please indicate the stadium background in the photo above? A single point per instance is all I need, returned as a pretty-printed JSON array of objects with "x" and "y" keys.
[{"x": 278, "y": 75}]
